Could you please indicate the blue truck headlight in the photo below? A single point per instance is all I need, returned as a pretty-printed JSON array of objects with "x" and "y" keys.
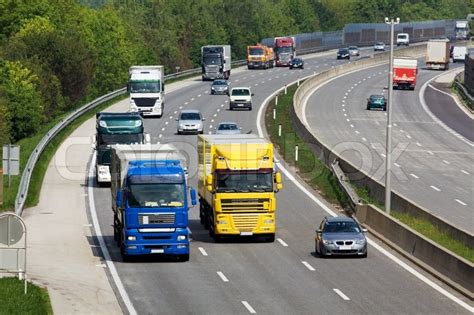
[
  {"x": 132, "y": 238},
  {"x": 181, "y": 237}
]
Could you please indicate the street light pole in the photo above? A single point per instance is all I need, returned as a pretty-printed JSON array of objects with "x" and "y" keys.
[{"x": 388, "y": 144}]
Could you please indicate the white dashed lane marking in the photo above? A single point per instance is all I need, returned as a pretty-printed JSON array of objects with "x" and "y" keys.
[
  {"x": 249, "y": 307},
  {"x": 413, "y": 175},
  {"x": 342, "y": 295},
  {"x": 465, "y": 172},
  {"x": 222, "y": 276},
  {"x": 203, "y": 252},
  {"x": 282, "y": 242},
  {"x": 435, "y": 188},
  {"x": 446, "y": 162},
  {"x": 460, "y": 202},
  {"x": 305, "y": 263}
]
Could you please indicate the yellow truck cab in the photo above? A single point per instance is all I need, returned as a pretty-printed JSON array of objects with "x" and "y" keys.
[{"x": 237, "y": 183}]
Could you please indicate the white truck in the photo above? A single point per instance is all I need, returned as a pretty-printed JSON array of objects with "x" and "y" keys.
[
  {"x": 146, "y": 86},
  {"x": 462, "y": 30},
  {"x": 215, "y": 62},
  {"x": 459, "y": 53},
  {"x": 437, "y": 54}
]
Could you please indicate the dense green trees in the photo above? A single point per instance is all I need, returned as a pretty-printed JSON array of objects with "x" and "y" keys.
[{"x": 54, "y": 55}]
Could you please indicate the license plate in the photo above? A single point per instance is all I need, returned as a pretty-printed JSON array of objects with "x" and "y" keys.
[
  {"x": 157, "y": 251},
  {"x": 246, "y": 233},
  {"x": 345, "y": 247},
  {"x": 240, "y": 104}
]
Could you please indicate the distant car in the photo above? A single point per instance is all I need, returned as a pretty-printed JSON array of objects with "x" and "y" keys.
[
  {"x": 354, "y": 51},
  {"x": 377, "y": 101},
  {"x": 403, "y": 39},
  {"x": 219, "y": 87},
  {"x": 459, "y": 54},
  {"x": 340, "y": 236},
  {"x": 343, "y": 53},
  {"x": 240, "y": 97},
  {"x": 379, "y": 46},
  {"x": 190, "y": 121},
  {"x": 227, "y": 128},
  {"x": 297, "y": 63}
]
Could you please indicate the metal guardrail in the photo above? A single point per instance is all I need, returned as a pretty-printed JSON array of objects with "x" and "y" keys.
[{"x": 462, "y": 89}]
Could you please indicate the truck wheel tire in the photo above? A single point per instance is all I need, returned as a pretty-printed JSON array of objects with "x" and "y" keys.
[{"x": 125, "y": 257}]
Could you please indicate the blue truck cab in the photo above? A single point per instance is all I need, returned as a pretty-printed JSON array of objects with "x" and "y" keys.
[{"x": 149, "y": 201}]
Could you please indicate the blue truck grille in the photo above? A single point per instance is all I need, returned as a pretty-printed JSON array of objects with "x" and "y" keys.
[{"x": 156, "y": 218}]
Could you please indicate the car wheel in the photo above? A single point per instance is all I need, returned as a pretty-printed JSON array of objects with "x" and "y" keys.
[
  {"x": 364, "y": 255},
  {"x": 302, "y": 67},
  {"x": 384, "y": 108},
  {"x": 250, "y": 108},
  {"x": 368, "y": 107}
]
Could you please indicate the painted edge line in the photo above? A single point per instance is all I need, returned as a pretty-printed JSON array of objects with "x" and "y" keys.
[
  {"x": 98, "y": 232},
  {"x": 332, "y": 213}
]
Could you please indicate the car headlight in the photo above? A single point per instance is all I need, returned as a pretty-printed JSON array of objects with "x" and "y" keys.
[
  {"x": 181, "y": 237},
  {"x": 132, "y": 238},
  {"x": 138, "y": 123},
  {"x": 360, "y": 242},
  {"x": 212, "y": 88},
  {"x": 326, "y": 242},
  {"x": 103, "y": 124},
  {"x": 181, "y": 125}
]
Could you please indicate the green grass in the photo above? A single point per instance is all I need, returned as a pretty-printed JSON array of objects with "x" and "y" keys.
[
  {"x": 435, "y": 234},
  {"x": 309, "y": 167},
  {"x": 14, "y": 301},
  {"x": 320, "y": 178},
  {"x": 27, "y": 147}
]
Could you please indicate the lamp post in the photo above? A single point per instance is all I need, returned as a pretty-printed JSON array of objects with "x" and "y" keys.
[{"x": 388, "y": 144}]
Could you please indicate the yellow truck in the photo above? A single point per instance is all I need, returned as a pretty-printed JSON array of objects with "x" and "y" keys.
[
  {"x": 237, "y": 182},
  {"x": 260, "y": 56}
]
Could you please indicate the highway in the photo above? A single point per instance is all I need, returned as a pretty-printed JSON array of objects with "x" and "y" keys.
[
  {"x": 245, "y": 277},
  {"x": 432, "y": 167}
]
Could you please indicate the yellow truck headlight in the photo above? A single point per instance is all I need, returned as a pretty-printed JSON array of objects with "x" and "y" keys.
[
  {"x": 222, "y": 222},
  {"x": 268, "y": 221}
]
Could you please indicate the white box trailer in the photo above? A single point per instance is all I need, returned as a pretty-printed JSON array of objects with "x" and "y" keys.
[{"x": 437, "y": 54}]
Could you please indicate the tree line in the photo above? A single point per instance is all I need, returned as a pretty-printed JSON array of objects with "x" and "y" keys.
[{"x": 56, "y": 55}]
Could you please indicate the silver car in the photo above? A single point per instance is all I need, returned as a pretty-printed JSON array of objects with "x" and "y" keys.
[
  {"x": 227, "y": 128},
  {"x": 354, "y": 51},
  {"x": 379, "y": 46},
  {"x": 190, "y": 121},
  {"x": 340, "y": 236},
  {"x": 220, "y": 87}
]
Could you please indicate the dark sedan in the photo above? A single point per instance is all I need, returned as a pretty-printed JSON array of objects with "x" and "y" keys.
[
  {"x": 343, "y": 53},
  {"x": 377, "y": 101},
  {"x": 297, "y": 63},
  {"x": 220, "y": 87}
]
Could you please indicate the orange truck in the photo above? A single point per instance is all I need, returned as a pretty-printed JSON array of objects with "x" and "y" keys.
[{"x": 260, "y": 56}]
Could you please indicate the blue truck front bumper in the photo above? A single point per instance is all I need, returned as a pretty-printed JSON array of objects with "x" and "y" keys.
[{"x": 138, "y": 243}]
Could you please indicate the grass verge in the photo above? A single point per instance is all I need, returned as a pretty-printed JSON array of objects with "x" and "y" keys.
[
  {"x": 27, "y": 147},
  {"x": 309, "y": 167},
  {"x": 14, "y": 301},
  {"x": 320, "y": 178}
]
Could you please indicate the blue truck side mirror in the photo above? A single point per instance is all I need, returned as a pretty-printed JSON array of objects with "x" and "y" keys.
[
  {"x": 193, "y": 196},
  {"x": 119, "y": 198}
]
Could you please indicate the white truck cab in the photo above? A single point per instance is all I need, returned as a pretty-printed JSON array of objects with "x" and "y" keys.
[
  {"x": 147, "y": 90},
  {"x": 403, "y": 39}
]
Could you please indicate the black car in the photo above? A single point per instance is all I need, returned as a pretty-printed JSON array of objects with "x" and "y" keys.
[
  {"x": 297, "y": 63},
  {"x": 343, "y": 53}
]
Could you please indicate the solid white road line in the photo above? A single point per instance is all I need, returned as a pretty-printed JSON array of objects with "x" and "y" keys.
[
  {"x": 460, "y": 202},
  {"x": 203, "y": 251},
  {"x": 342, "y": 295},
  {"x": 333, "y": 214},
  {"x": 249, "y": 307},
  {"x": 223, "y": 277},
  {"x": 435, "y": 188},
  {"x": 282, "y": 242},
  {"x": 305, "y": 263},
  {"x": 98, "y": 232},
  {"x": 413, "y": 175}
]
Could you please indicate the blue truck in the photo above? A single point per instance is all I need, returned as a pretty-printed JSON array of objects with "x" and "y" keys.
[
  {"x": 115, "y": 128},
  {"x": 150, "y": 200}
]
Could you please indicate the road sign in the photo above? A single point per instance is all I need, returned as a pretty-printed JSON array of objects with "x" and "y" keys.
[
  {"x": 13, "y": 245},
  {"x": 11, "y": 161}
]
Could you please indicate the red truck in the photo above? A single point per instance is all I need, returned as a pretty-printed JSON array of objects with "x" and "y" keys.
[
  {"x": 285, "y": 51},
  {"x": 404, "y": 73}
]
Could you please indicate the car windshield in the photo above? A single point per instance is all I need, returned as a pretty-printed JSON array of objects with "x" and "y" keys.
[
  {"x": 227, "y": 127},
  {"x": 240, "y": 92},
  {"x": 155, "y": 195},
  {"x": 219, "y": 82},
  {"x": 296, "y": 60},
  {"x": 380, "y": 44},
  {"x": 353, "y": 48},
  {"x": 244, "y": 182},
  {"x": 341, "y": 227},
  {"x": 376, "y": 97},
  {"x": 401, "y": 36},
  {"x": 190, "y": 116},
  {"x": 256, "y": 51},
  {"x": 343, "y": 51}
]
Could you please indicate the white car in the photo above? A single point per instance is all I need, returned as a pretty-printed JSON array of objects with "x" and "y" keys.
[
  {"x": 379, "y": 46},
  {"x": 403, "y": 39},
  {"x": 240, "y": 97},
  {"x": 459, "y": 53},
  {"x": 190, "y": 121}
]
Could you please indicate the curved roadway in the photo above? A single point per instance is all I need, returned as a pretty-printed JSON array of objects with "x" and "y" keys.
[
  {"x": 432, "y": 167},
  {"x": 267, "y": 278}
]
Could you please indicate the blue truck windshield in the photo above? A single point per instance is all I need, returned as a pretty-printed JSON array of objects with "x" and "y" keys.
[
  {"x": 156, "y": 195},
  {"x": 145, "y": 87},
  {"x": 244, "y": 182}
]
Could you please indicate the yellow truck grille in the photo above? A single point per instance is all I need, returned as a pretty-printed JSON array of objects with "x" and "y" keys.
[
  {"x": 244, "y": 205},
  {"x": 245, "y": 223}
]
